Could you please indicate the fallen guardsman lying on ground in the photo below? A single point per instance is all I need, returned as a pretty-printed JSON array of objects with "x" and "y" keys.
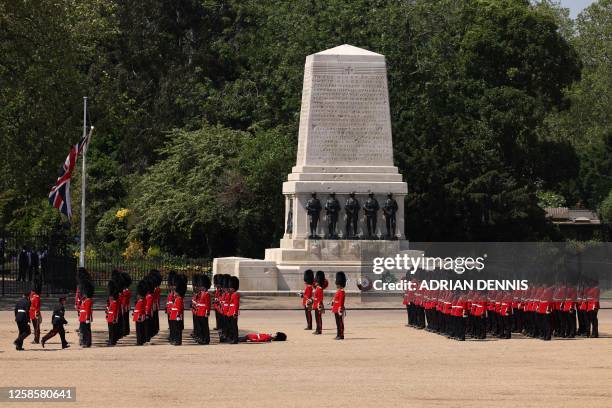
[{"x": 262, "y": 337}]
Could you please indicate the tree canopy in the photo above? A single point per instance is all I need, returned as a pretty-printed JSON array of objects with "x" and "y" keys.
[{"x": 495, "y": 105}]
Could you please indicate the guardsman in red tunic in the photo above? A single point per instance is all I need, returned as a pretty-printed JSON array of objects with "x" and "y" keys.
[
  {"x": 544, "y": 311},
  {"x": 202, "y": 310},
  {"x": 195, "y": 293},
  {"x": 223, "y": 306},
  {"x": 126, "y": 300},
  {"x": 568, "y": 309},
  {"x": 34, "y": 311},
  {"x": 592, "y": 296},
  {"x": 139, "y": 313},
  {"x": 177, "y": 311},
  {"x": 262, "y": 337},
  {"x": 86, "y": 313},
  {"x": 233, "y": 310},
  {"x": 582, "y": 305},
  {"x": 338, "y": 308},
  {"x": 216, "y": 299},
  {"x": 479, "y": 311},
  {"x": 170, "y": 298},
  {"x": 156, "y": 281},
  {"x": 307, "y": 297},
  {"x": 112, "y": 313},
  {"x": 317, "y": 300},
  {"x": 149, "y": 308}
]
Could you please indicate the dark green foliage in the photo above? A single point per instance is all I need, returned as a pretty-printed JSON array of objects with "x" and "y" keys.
[{"x": 196, "y": 105}]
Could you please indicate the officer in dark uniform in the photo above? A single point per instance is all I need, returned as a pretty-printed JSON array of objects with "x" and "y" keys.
[
  {"x": 332, "y": 209},
  {"x": 58, "y": 321},
  {"x": 389, "y": 211},
  {"x": 24, "y": 264},
  {"x": 351, "y": 207},
  {"x": 22, "y": 318},
  {"x": 371, "y": 208},
  {"x": 313, "y": 208}
]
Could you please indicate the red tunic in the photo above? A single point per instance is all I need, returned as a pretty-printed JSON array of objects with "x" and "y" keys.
[
  {"x": 176, "y": 311},
  {"x": 126, "y": 300},
  {"x": 85, "y": 312},
  {"x": 34, "y": 305},
  {"x": 317, "y": 298},
  {"x": 149, "y": 304},
  {"x": 258, "y": 337},
  {"x": 112, "y": 311},
  {"x": 307, "y": 295},
  {"x": 202, "y": 305},
  {"x": 156, "y": 297},
  {"x": 169, "y": 301},
  {"x": 338, "y": 302},
  {"x": 592, "y": 295},
  {"x": 233, "y": 308},
  {"x": 139, "y": 310}
]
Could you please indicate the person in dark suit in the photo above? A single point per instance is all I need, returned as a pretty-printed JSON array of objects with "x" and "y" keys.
[
  {"x": 34, "y": 263},
  {"x": 24, "y": 264},
  {"x": 22, "y": 318},
  {"x": 58, "y": 321}
]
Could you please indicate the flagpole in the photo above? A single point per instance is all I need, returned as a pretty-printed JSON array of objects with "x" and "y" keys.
[{"x": 83, "y": 182}]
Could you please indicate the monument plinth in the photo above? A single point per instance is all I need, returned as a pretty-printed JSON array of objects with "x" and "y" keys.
[{"x": 344, "y": 146}]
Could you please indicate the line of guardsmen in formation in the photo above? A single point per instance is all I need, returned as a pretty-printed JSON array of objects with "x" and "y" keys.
[
  {"x": 540, "y": 312},
  {"x": 226, "y": 304},
  {"x": 312, "y": 300}
]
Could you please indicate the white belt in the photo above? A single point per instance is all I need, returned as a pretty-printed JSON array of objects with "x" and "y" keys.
[{"x": 21, "y": 311}]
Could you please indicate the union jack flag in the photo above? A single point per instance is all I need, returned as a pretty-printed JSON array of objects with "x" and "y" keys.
[{"x": 59, "y": 197}]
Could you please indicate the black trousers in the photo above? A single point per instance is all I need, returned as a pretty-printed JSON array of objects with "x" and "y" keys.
[
  {"x": 202, "y": 332},
  {"x": 113, "y": 333},
  {"x": 85, "y": 334},
  {"x": 126, "y": 323},
  {"x": 545, "y": 329},
  {"x": 24, "y": 331},
  {"x": 176, "y": 332},
  {"x": 319, "y": 320},
  {"x": 217, "y": 324},
  {"x": 592, "y": 324},
  {"x": 308, "y": 313},
  {"x": 155, "y": 322},
  {"x": 57, "y": 328},
  {"x": 232, "y": 329},
  {"x": 148, "y": 328},
  {"x": 582, "y": 322},
  {"x": 36, "y": 327},
  {"x": 140, "y": 333},
  {"x": 339, "y": 325}
]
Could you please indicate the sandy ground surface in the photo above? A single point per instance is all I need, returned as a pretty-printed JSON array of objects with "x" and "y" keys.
[{"x": 381, "y": 363}]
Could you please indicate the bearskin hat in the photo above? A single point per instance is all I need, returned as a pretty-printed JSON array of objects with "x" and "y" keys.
[
  {"x": 156, "y": 277},
  {"x": 127, "y": 280},
  {"x": 195, "y": 281},
  {"x": 280, "y": 336},
  {"x": 117, "y": 279},
  {"x": 216, "y": 279},
  {"x": 82, "y": 275},
  {"x": 320, "y": 278},
  {"x": 113, "y": 289},
  {"x": 308, "y": 276},
  {"x": 341, "y": 279},
  {"x": 142, "y": 289},
  {"x": 234, "y": 283},
  {"x": 171, "y": 278},
  {"x": 181, "y": 284},
  {"x": 225, "y": 278},
  {"x": 87, "y": 289},
  {"x": 205, "y": 281},
  {"x": 37, "y": 287}
]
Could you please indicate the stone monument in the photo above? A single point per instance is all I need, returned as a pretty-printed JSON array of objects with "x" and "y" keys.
[{"x": 344, "y": 147}]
